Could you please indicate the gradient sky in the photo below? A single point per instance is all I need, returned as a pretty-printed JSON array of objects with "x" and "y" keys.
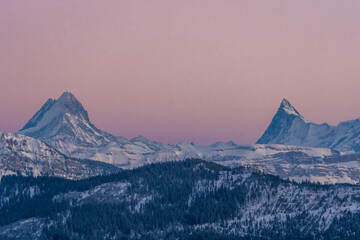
[{"x": 201, "y": 71}]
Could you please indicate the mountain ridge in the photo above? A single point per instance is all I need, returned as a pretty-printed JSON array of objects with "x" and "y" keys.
[
  {"x": 291, "y": 128},
  {"x": 26, "y": 156},
  {"x": 75, "y": 136},
  {"x": 65, "y": 120}
]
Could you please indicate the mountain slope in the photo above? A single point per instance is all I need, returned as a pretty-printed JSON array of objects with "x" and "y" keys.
[
  {"x": 192, "y": 199},
  {"x": 65, "y": 120},
  {"x": 21, "y": 155},
  {"x": 290, "y": 128},
  {"x": 64, "y": 124},
  {"x": 293, "y": 162}
]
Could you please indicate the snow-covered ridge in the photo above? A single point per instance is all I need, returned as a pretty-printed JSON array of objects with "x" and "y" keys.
[
  {"x": 64, "y": 124},
  {"x": 22, "y": 155},
  {"x": 65, "y": 120},
  {"x": 24, "y": 146},
  {"x": 289, "y": 109},
  {"x": 289, "y": 127}
]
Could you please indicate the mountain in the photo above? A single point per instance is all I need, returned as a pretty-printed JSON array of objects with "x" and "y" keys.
[
  {"x": 65, "y": 121},
  {"x": 289, "y": 162},
  {"x": 191, "y": 199},
  {"x": 289, "y": 127},
  {"x": 26, "y": 156},
  {"x": 64, "y": 124}
]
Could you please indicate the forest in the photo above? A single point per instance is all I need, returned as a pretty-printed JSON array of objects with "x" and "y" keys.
[{"x": 192, "y": 199}]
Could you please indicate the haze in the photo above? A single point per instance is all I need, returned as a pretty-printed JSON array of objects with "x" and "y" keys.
[{"x": 201, "y": 71}]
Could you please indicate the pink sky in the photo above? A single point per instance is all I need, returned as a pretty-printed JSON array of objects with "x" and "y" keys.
[{"x": 201, "y": 71}]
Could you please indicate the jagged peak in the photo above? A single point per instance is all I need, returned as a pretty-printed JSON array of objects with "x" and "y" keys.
[
  {"x": 286, "y": 105},
  {"x": 284, "y": 117},
  {"x": 53, "y": 111},
  {"x": 289, "y": 109},
  {"x": 66, "y": 103},
  {"x": 69, "y": 101},
  {"x": 67, "y": 96}
]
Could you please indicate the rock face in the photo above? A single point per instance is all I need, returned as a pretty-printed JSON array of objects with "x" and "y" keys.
[
  {"x": 290, "y": 128},
  {"x": 26, "y": 156}
]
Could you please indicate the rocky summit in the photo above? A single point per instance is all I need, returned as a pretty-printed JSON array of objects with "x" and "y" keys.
[{"x": 289, "y": 127}]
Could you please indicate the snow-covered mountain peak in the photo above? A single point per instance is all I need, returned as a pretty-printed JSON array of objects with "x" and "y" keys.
[
  {"x": 65, "y": 120},
  {"x": 289, "y": 109},
  {"x": 287, "y": 119},
  {"x": 67, "y": 103},
  {"x": 286, "y": 105},
  {"x": 68, "y": 98},
  {"x": 67, "y": 95},
  {"x": 53, "y": 110},
  {"x": 290, "y": 128}
]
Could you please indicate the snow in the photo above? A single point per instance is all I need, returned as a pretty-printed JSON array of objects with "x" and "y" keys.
[
  {"x": 24, "y": 155},
  {"x": 322, "y": 205},
  {"x": 65, "y": 120},
  {"x": 296, "y": 159},
  {"x": 344, "y": 137},
  {"x": 289, "y": 109},
  {"x": 276, "y": 159},
  {"x": 53, "y": 113}
]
